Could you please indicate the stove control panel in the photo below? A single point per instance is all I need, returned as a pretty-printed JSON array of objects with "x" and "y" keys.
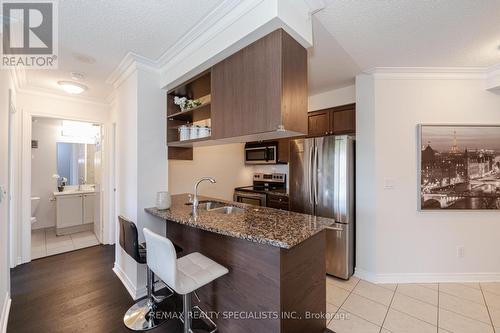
[{"x": 270, "y": 177}]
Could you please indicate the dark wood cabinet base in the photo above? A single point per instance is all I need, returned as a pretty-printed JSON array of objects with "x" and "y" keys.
[{"x": 263, "y": 281}]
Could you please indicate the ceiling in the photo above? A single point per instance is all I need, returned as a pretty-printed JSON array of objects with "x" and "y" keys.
[
  {"x": 413, "y": 33},
  {"x": 330, "y": 67},
  {"x": 349, "y": 37},
  {"x": 94, "y": 38}
]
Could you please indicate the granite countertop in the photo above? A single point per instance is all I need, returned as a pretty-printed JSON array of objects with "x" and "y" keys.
[{"x": 257, "y": 224}]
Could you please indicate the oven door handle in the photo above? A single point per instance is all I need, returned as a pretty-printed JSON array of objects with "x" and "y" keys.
[{"x": 260, "y": 196}]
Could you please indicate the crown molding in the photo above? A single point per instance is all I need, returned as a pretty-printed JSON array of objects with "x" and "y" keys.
[
  {"x": 215, "y": 16},
  {"x": 220, "y": 20},
  {"x": 131, "y": 62},
  {"x": 453, "y": 73},
  {"x": 21, "y": 85},
  {"x": 51, "y": 94}
]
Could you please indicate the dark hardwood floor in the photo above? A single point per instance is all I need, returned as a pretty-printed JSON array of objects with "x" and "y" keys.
[{"x": 71, "y": 292}]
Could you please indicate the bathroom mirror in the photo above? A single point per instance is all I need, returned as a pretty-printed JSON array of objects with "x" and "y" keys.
[{"x": 75, "y": 161}]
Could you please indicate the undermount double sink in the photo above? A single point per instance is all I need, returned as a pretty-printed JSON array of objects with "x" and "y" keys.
[{"x": 217, "y": 207}]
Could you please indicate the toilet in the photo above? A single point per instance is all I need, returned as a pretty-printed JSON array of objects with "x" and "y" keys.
[{"x": 35, "y": 201}]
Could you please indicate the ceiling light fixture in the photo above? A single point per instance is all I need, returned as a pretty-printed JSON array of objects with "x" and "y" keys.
[{"x": 72, "y": 87}]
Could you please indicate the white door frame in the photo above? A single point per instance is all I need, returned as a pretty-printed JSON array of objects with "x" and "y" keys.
[
  {"x": 25, "y": 206},
  {"x": 13, "y": 186}
]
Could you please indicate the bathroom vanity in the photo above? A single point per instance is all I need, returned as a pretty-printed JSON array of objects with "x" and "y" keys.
[{"x": 75, "y": 211}]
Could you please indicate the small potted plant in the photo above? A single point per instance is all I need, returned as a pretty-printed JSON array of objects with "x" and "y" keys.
[
  {"x": 61, "y": 182},
  {"x": 186, "y": 104}
]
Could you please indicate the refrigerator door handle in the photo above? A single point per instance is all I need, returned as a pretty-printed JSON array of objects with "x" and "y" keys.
[
  {"x": 316, "y": 174},
  {"x": 309, "y": 176}
]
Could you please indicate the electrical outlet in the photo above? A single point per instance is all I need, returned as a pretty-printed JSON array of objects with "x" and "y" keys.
[{"x": 460, "y": 251}]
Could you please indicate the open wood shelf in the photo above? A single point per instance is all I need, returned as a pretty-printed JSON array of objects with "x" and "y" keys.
[
  {"x": 190, "y": 143},
  {"x": 200, "y": 112},
  {"x": 198, "y": 88}
]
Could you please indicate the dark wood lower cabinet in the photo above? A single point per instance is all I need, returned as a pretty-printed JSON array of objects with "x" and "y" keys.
[
  {"x": 262, "y": 281},
  {"x": 277, "y": 201}
]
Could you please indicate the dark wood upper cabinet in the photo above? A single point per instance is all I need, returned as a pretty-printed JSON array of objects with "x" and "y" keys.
[
  {"x": 319, "y": 123},
  {"x": 344, "y": 122},
  {"x": 337, "y": 120},
  {"x": 261, "y": 89},
  {"x": 258, "y": 93}
]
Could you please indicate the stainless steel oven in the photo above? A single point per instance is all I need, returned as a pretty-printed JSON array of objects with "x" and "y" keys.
[
  {"x": 266, "y": 153},
  {"x": 252, "y": 198}
]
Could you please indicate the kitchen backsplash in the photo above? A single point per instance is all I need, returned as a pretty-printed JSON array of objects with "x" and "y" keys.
[{"x": 274, "y": 168}]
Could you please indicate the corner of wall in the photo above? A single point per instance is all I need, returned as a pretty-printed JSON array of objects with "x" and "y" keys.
[{"x": 4, "y": 316}]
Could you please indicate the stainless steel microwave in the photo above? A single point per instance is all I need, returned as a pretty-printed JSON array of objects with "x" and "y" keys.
[{"x": 265, "y": 153}]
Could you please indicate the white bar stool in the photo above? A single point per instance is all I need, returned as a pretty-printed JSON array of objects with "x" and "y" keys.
[{"x": 183, "y": 275}]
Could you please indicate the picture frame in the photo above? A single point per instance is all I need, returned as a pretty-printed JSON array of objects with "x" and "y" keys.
[{"x": 458, "y": 167}]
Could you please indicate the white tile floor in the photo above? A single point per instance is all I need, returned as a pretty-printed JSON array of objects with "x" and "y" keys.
[
  {"x": 44, "y": 242},
  {"x": 363, "y": 307}
]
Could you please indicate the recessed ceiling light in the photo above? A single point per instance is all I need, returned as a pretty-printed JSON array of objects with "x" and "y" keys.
[{"x": 72, "y": 87}]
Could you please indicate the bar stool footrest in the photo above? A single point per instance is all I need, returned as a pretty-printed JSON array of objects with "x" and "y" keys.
[{"x": 200, "y": 322}]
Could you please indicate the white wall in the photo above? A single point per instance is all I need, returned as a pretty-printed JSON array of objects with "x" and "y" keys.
[
  {"x": 56, "y": 106},
  {"x": 331, "y": 98},
  {"x": 395, "y": 241},
  {"x": 141, "y": 162},
  {"x": 5, "y": 85},
  {"x": 226, "y": 163}
]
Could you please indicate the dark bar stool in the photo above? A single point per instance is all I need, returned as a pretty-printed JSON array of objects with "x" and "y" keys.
[{"x": 138, "y": 317}]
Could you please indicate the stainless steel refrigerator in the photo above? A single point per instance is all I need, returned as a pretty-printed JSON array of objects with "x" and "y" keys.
[{"x": 322, "y": 184}]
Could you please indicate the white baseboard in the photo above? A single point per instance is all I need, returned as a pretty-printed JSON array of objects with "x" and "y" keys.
[
  {"x": 4, "y": 318},
  {"x": 132, "y": 289},
  {"x": 364, "y": 275},
  {"x": 426, "y": 277}
]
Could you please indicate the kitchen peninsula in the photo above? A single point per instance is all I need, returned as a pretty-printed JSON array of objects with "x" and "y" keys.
[{"x": 276, "y": 262}]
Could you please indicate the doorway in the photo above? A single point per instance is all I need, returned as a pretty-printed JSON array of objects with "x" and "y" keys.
[{"x": 66, "y": 186}]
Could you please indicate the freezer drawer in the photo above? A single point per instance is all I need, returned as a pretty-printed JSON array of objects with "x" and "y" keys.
[{"x": 340, "y": 250}]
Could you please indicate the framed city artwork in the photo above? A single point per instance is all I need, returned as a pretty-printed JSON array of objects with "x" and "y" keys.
[{"x": 459, "y": 167}]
